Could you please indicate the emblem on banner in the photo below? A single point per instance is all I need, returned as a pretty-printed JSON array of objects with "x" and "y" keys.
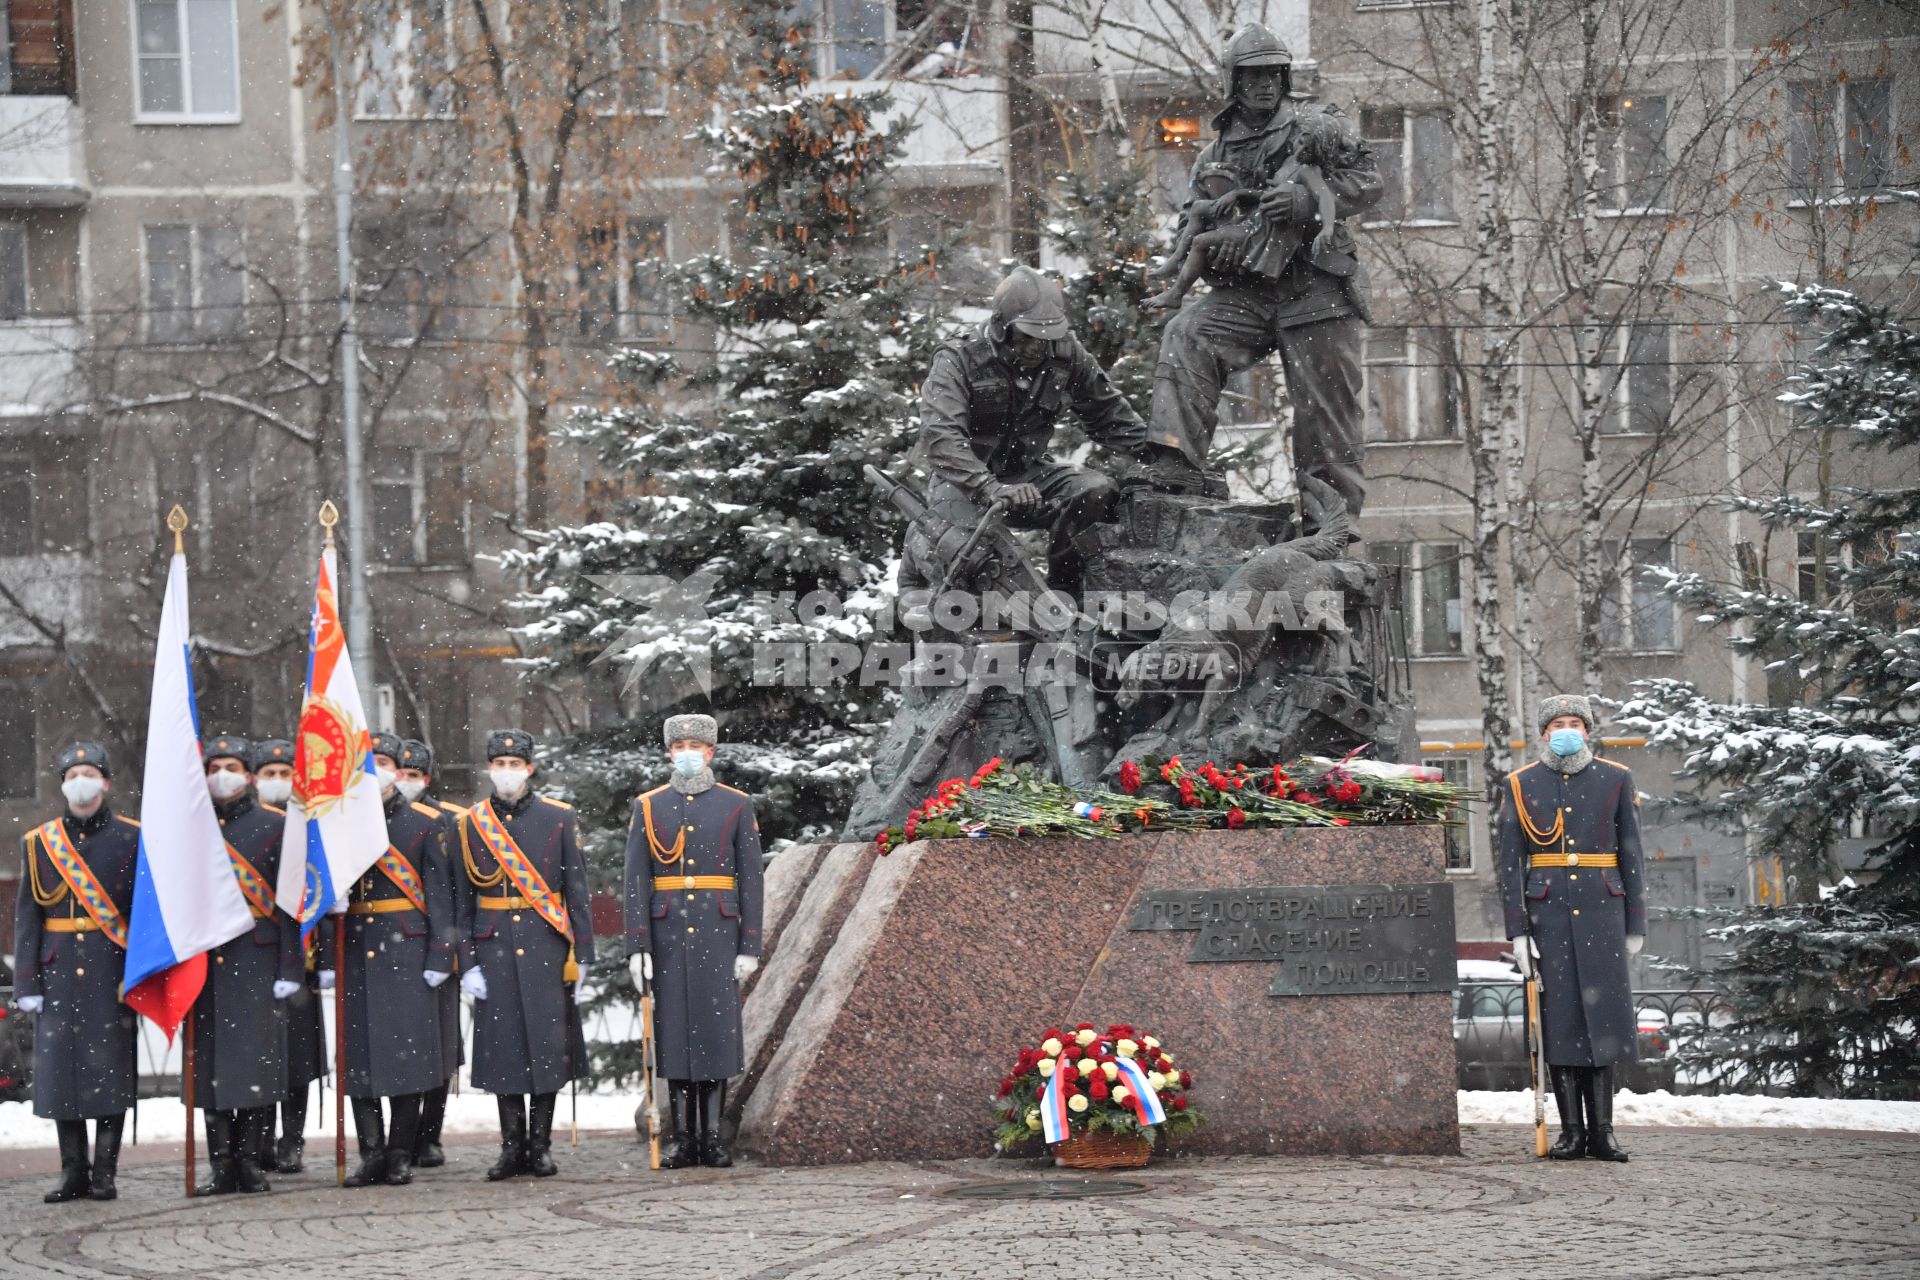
[{"x": 330, "y": 757}]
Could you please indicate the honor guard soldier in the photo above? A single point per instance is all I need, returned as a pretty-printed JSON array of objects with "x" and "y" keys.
[
  {"x": 1570, "y": 874},
  {"x": 416, "y": 776},
  {"x": 400, "y": 944},
  {"x": 693, "y": 895},
  {"x": 525, "y": 932},
  {"x": 239, "y": 1020},
  {"x": 70, "y": 951},
  {"x": 306, "y": 1037}
]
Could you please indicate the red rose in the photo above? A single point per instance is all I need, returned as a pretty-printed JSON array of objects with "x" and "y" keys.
[
  {"x": 1236, "y": 818},
  {"x": 1006, "y": 1086},
  {"x": 1186, "y": 1079},
  {"x": 1180, "y": 1103},
  {"x": 1129, "y": 777},
  {"x": 1085, "y": 1026},
  {"x": 1068, "y": 1074},
  {"x": 1099, "y": 1088}
]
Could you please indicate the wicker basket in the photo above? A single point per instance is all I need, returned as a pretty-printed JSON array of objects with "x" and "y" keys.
[{"x": 1103, "y": 1150}]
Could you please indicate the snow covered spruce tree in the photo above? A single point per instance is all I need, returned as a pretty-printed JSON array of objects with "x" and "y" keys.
[
  {"x": 742, "y": 478},
  {"x": 1825, "y": 987},
  {"x": 1103, "y": 224}
]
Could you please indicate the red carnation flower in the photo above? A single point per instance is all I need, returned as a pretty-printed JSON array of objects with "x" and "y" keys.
[
  {"x": 1188, "y": 796},
  {"x": 1236, "y": 817},
  {"x": 1129, "y": 777},
  {"x": 1342, "y": 822},
  {"x": 1180, "y": 1103}
]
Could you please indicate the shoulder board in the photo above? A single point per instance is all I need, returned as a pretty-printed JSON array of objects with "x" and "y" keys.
[
  {"x": 429, "y": 810},
  {"x": 656, "y": 791},
  {"x": 1531, "y": 764},
  {"x": 721, "y": 786},
  {"x": 458, "y": 811},
  {"x": 129, "y": 821},
  {"x": 558, "y": 804},
  {"x": 1615, "y": 763},
  {"x": 278, "y": 813}
]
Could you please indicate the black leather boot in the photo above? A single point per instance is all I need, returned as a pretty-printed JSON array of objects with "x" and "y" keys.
[
  {"x": 106, "y": 1156},
  {"x": 540, "y": 1137},
  {"x": 401, "y": 1136},
  {"x": 513, "y": 1138},
  {"x": 373, "y": 1144},
  {"x": 713, "y": 1145},
  {"x": 1572, "y": 1142},
  {"x": 223, "y": 1177},
  {"x": 1597, "y": 1088},
  {"x": 681, "y": 1147},
  {"x": 433, "y": 1113},
  {"x": 290, "y": 1153},
  {"x": 75, "y": 1173},
  {"x": 254, "y": 1133}
]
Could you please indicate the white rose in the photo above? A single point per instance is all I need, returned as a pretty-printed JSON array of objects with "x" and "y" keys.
[
  {"x": 1051, "y": 1048},
  {"x": 1078, "y": 1102},
  {"x": 1126, "y": 1048},
  {"x": 1087, "y": 1037},
  {"x": 1121, "y": 1093},
  {"x": 1157, "y": 1080},
  {"x": 1110, "y": 1070},
  {"x": 1045, "y": 1068},
  {"x": 1033, "y": 1119}
]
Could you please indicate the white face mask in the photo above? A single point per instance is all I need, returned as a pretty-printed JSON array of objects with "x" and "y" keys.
[
  {"x": 411, "y": 788},
  {"x": 82, "y": 790},
  {"x": 689, "y": 763},
  {"x": 226, "y": 784},
  {"x": 508, "y": 783},
  {"x": 276, "y": 791},
  {"x": 386, "y": 777}
]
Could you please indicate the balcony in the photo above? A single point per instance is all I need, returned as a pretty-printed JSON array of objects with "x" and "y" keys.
[
  {"x": 960, "y": 135},
  {"x": 42, "y": 161},
  {"x": 37, "y": 366}
]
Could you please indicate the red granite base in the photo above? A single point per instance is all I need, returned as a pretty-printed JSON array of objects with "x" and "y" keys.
[{"x": 894, "y": 1030}]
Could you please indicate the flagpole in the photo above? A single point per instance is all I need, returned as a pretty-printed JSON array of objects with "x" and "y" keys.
[
  {"x": 177, "y": 521},
  {"x": 329, "y": 517}
]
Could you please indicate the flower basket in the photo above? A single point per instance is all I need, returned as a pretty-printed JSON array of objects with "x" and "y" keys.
[{"x": 1099, "y": 1149}]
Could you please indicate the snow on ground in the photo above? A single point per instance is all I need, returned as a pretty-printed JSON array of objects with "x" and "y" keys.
[{"x": 1727, "y": 1111}]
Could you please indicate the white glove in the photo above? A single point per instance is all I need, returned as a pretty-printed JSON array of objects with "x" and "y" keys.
[
  {"x": 579, "y": 993},
  {"x": 1523, "y": 954},
  {"x": 1635, "y": 941},
  {"x": 640, "y": 965},
  {"x": 433, "y": 978},
  {"x": 474, "y": 983},
  {"x": 31, "y": 1004},
  {"x": 744, "y": 967},
  {"x": 326, "y": 979},
  {"x": 282, "y": 988}
]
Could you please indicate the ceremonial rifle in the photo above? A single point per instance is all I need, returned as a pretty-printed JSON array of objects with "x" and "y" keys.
[
  {"x": 648, "y": 1056},
  {"x": 1537, "y": 1054}
]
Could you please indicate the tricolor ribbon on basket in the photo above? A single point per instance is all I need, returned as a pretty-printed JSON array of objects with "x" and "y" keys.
[
  {"x": 1143, "y": 1097},
  {"x": 1053, "y": 1108}
]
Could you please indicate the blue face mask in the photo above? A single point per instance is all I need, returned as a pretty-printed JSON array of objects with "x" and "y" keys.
[
  {"x": 688, "y": 764},
  {"x": 1566, "y": 742}
]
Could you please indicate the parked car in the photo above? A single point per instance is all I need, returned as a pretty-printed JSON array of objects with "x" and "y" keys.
[
  {"x": 16, "y": 1044},
  {"x": 1490, "y": 1040}
]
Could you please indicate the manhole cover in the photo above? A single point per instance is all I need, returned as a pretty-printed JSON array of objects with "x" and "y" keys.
[{"x": 1046, "y": 1189}]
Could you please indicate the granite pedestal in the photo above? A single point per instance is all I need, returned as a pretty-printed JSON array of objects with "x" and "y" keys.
[{"x": 897, "y": 991}]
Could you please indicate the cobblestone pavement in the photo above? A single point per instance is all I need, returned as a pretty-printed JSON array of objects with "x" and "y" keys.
[{"x": 1693, "y": 1203}]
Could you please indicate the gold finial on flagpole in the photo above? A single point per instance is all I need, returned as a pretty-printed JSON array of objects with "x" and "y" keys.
[
  {"x": 329, "y": 517},
  {"x": 177, "y": 521}
]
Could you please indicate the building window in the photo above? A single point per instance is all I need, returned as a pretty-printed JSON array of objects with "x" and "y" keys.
[
  {"x": 406, "y": 69},
  {"x": 634, "y": 76},
  {"x": 1415, "y": 150},
  {"x": 13, "y": 271},
  {"x": 1643, "y": 390},
  {"x": 187, "y": 55},
  {"x": 1815, "y": 561},
  {"x": 1633, "y": 151},
  {"x": 1839, "y": 137},
  {"x": 20, "y": 763},
  {"x": 419, "y": 507},
  {"x": 36, "y": 48},
  {"x": 621, "y": 280},
  {"x": 407, "y": 262},
  {"x": 44, "y": 503},
  {"x": 850, "y": 37},
  {"x": 196, "y": 282},
  {"x": 1455, "y": 770},
  {"x": 1423, "y": 589},
  {"x": 1636, "y": 614},
  {"x": 1412, "y": 393}
]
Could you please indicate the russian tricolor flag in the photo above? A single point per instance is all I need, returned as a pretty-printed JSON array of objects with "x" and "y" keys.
[
  {"x": 1054, "y": 1116},
  {"x": 336, "y": 824},
  {"x": 185, "y": 899},
  {"x": 1145, "y": 1099}
]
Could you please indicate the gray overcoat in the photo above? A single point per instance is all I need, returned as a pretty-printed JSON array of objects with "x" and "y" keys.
[
  {"x": 239, "y": 1029},
  {"x": 85, "y": 1042},
  {"x": 1579, "y": 915},
  {"x": 694, "y": 934},
  {"x": 393, "y": 1043},
  {"x": 526, "y": 1034}
]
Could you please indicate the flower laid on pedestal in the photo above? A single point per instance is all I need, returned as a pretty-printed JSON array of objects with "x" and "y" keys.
[
  {"x": 1097, "y": 1097},
  {"x": 1155, "y": 795}
]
